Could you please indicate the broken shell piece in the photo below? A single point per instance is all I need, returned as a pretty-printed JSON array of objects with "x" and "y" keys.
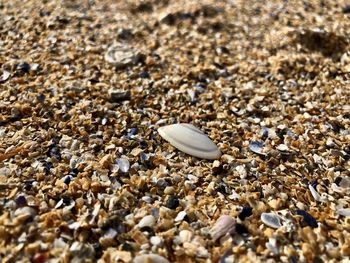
[
  {"x": 344, "y": 212},
  {"x": 314, "y": 193},
  {"x": 122, "y": 56},
  {"x": 271, "y": 220},
  {"x": 190, "y": 140},
  {"x": 150, "y": 258},
  {"x": 147, "y": 221},
  {"x": 224, "y": 225},
  {"x": 5, "y": 76},
  {"x": 257, "y": 147}
]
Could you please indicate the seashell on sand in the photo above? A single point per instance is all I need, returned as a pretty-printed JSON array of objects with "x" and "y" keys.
[
  {"x": 190, "y": 140},
  {"x": 271, "y": 220},
  {"x": 225, "y": 224}
]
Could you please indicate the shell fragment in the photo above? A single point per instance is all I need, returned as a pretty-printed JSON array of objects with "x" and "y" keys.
[{"x": 190, "y": 140}]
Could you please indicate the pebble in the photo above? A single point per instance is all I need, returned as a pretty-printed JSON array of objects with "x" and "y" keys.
[
  {"x": 180, "y": 216},
  {"x": 21, "y": 200},
  {"x": 117, "y": 95},
  {"x": 282, "y": 148},
  {"x": 246, "y": 212},
  {"x": 271, "y": 220},
  {"x": 123, "y": 164},
  {"x": 150, "y": 258},
  {"x": 190, "y": 140},
  {"x": 147, "y": 221},
  {"x": 23, "y": 67},
  {"x": 25, "y": 212},
  {"x": 155, "y": 241},
  {"x": 308, "y": 219},
  {"x": 172, "y": 202},
  {"x": 224, "y": 225},
  {"x": 122, "y": 56}
]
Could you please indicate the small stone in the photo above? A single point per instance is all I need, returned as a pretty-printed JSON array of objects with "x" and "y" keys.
[
  {"x": 25, "y": 212},
  {"x": 155, "y": 241},
  {"x": 150, "y": 258},
  {"x": 21, "y": 200},
  {"x": 190, "y": 140},
  {"x": 117, "y": 95},
  {"x": 67, "y": 179},
  {"x": 172, "y": 202},
  {"x": 122, "y": 56},
  {"x": 282, "y": 148},
  {"x": 23, "y": 67},
  {"x": 147, "y": 221},
  {"x": 123, "y": 164},
  {"x": 180, "y": 216},
  {"x": 169, "y": 190},
  {"x": 224, "y": 225},
  {"x": 346, "y": 9},
  {"x": 308, "y": 219},
  {"x": 246, "y": 212},
  {"x": 271, "y": 220},
  {"x": 185, "y": 236},
  {"x": 144, "y": 75}
]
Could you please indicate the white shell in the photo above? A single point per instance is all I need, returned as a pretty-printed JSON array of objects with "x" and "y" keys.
[
  {"x": 271, "y": 220},
  {"x": 121, "y": 56},
  {"x": 344, "y": 211},
  {"x": 147, "y": 258},
  {"x": 224, "y": 225},
  {"x": 190, "y": 140},
  {"x": 314, "y": 193},
  {"x": 147, "y": 221}
]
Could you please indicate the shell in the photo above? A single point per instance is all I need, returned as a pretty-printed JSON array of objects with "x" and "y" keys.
[
  {"x": 271, "y": 220},
  {"x": 122, "y": 56},
  {"x": 148, "y": 258},
  {"x": 190, "y": 140},
  {"x": 147, "y": 221},
  {"x": 225, "y": 224},
  {"x": 344, "y": 211}
]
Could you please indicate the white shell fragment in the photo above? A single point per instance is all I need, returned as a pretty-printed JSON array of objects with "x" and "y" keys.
[
  {"x": 148, "y": 258},
  {"x": 344, "y": 212},
  {"x": 122, "y": 56},
  {"x": 190, "y": 140},
  {"x": 224, "y": 225},
  {"x": 270, "y": 219},
  {"x": 147, "y": 221},
  {"x": 314, "y": 193}
]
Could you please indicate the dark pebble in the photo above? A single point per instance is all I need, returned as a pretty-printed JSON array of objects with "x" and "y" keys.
[
  {"x": 28, "y": 186},
  {"x": 54, "y": 151},
  {"x": 24, "y": 67},
  {"x": 337, "y": 180},
  {"x": 47, "y": 167},
  {"x": 308, "y": 219},
  {"x": 241, "y": 229},
  {"x": 246, "y": 212},
  {"x": 41, "y": 98},
  {"x": 346, "y": 9},
  {"x": 172, "y": 202},
  {"x": 144, "y": 75},
  {"x": 67, "y": 179},
  {"x": 21, "y": 200},
  {"x": 74, "y": 172}
]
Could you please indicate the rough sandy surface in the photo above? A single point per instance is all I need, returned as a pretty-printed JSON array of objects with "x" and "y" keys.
[{"x": 84, "y": 175}]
